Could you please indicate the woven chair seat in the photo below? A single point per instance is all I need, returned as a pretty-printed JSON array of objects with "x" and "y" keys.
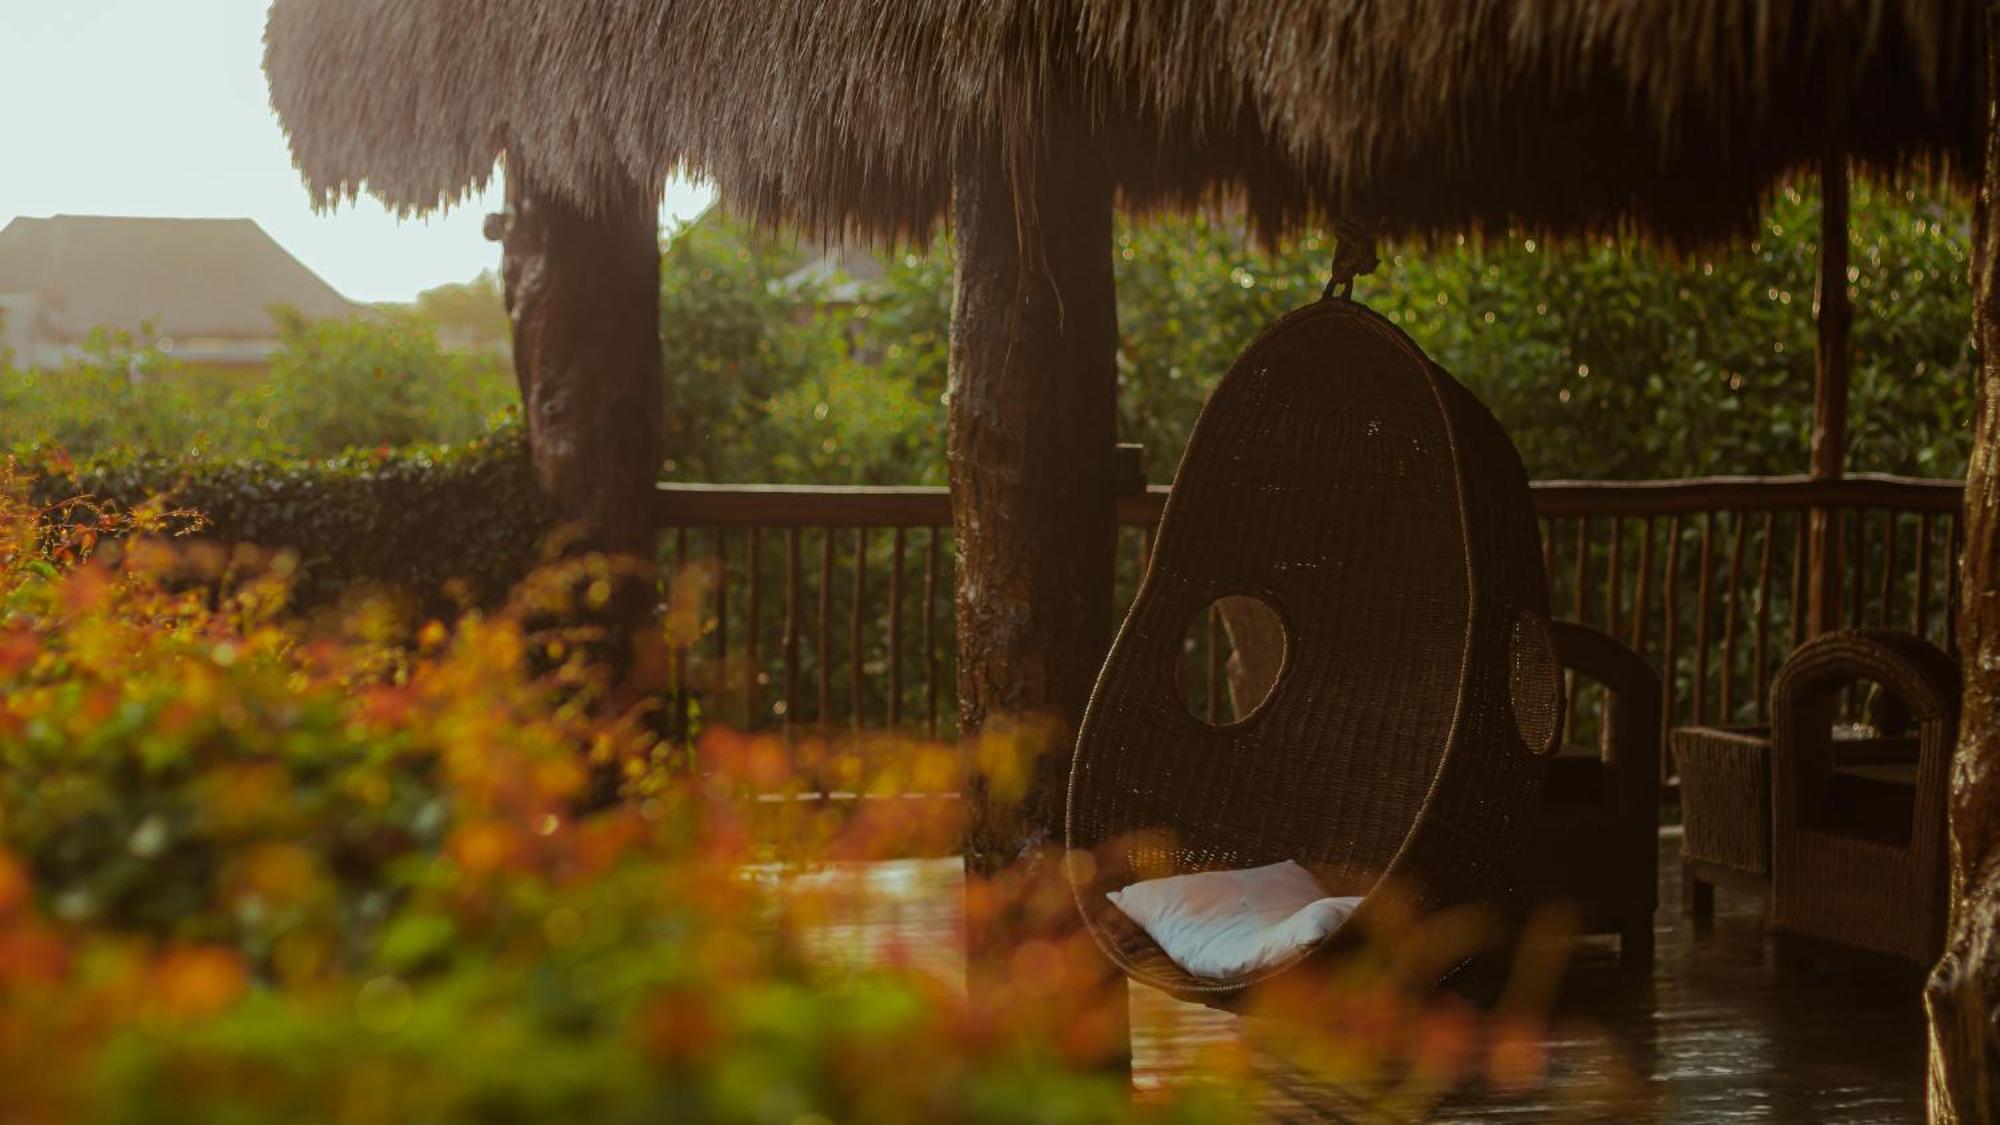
[{"x": 1343, "y": 479}]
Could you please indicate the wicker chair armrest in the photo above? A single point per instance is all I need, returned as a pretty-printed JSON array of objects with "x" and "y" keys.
[
  {"x": 1917, "y": 672},
  {"x": 1632, "y": 750}
]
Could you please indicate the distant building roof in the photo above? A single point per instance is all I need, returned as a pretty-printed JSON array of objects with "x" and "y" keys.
[
  {"x": 213, "y": 278},
  {"x": 844, "y": 275}
]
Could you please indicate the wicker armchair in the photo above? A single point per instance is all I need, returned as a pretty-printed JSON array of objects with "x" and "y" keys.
[
  {"x": 1596, "y": 843},
  {"x": 1725, "y": 775},
  {"x": 1340, "y": 477},
  {"x": 1858, "y": 850}
]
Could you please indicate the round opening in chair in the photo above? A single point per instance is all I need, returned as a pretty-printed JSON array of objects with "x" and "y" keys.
[
  {"x": 1535, "y": 683},
  {"x": 1231, "y": 654}
]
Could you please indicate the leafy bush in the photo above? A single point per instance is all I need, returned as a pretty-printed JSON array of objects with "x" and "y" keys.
[
  {"x": 439, "y": 523},
  {"x": 123, "y": 393},
  {"x": 1604, "y": 360},
  {"x": 766, "y": 384},
  {"x": 375, "y": 380},
  {"x": 380, "y": 381},
  {"x": 1607, "y": 360},
  {"x": 733, "y": 336},
  {"x": 469, "y": 316}
]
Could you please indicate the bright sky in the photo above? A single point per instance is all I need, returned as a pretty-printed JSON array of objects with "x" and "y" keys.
[{"x": 158, "y": 107}]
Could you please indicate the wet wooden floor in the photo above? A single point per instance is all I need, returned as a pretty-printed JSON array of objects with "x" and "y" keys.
[{"x": 1730, "y": 1026}]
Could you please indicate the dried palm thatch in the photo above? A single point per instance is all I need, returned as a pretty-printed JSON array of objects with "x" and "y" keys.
[
  {"x": 829, "y": 116},
  {"x": 1428, "y": 115},
  {"x": 1675, "y": 116}
]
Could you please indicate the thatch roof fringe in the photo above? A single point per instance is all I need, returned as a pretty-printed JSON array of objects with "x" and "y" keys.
[
  {"x": 1565, "y": 114},
  {"x": 844, "y": 115}
]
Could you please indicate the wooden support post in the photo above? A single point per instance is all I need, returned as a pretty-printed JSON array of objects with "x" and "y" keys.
[
  {"x": 583, "y": 292},
  {"x": 583, "y": 295},
  {"x": 1964, "y": 988},
  {"x": 1033, "y": 403},
  {"x": 1032, "y": 435},
  {"x": 1833, "y": 357}
]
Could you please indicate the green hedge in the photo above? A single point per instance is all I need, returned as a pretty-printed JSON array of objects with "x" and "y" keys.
[{"x": 412, "y": 520}]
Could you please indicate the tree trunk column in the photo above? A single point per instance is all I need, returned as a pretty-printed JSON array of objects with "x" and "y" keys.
[
  {"x": 1033, "y": 421},
  {"x": 1963, "y": 996},
  {"x": 583, "y": 292},
  {"x": 1834, "y": 355}
]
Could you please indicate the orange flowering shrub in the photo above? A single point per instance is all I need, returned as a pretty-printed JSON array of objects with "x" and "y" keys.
[
  {"x": 258, "y": 867},
  {"x": 254, "y": 867}
]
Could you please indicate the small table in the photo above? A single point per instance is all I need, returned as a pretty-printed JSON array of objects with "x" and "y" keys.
[{"x": 1725, "y": 776}]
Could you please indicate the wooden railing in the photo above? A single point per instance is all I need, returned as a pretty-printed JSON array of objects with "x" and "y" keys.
[
  {"x": 829, "y": 609},
  {"x": 1709, "y": 579}
]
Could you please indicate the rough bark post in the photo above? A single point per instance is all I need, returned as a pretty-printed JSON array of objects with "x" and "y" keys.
[
  {"x": 1963, "y": 995},
  {"x": 1033, "y": 404},
  {"x": 1034, "y": 506},
  {"x": 583, "y": 292},
  {"x": 1832, "y": 359}
]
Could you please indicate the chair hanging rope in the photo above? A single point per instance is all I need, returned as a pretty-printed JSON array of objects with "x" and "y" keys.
[{"x": 1353, "y": 256}]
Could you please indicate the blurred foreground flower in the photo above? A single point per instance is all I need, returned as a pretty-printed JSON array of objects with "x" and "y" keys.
[{"x": 255, "y": 867}]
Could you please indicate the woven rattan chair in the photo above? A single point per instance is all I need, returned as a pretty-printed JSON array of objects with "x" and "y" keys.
[
  {"x": 1596, "y": 844},
  {"x": 1341, "y": 477},
  {"x": 1858, "y": 849},
  {"x": 1725, "y": 776}
]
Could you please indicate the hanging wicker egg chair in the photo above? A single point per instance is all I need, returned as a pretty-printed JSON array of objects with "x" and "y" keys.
[{"x": 1342, "y": 478}]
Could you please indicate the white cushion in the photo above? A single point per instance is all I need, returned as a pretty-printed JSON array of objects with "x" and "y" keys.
[{"x": 1227, "y": 924}]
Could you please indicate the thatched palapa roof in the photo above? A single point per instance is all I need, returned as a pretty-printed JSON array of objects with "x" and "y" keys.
[
  {"x": 1676, "y": 116},
  {"x": 830, "y": 116}
]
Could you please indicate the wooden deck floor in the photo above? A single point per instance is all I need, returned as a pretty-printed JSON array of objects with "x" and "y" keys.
[{"x": 1730, "y": 1026}]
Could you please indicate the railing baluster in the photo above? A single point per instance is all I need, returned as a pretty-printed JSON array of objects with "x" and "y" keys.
[
  {"x": 1856, "y": 518},
  {"x": 896, "y": 633},
  {"x": 930, "y": 635},
  {"x": 857, "y": 688},
  {"x": 1731, "y": 615},
  {"x": 1887, "y": 599},
  {"x": 1614, "y": 591},
  {"x": 720, "y": 689},
  {"x": 791, "y": 641},
  {"x": 1580, "y": 595},
  {"x": 1801, "y": 595},
  {"x": 1956, "y": 549},
  {"x": 1614, "y": 577},
  {"x": 1702, "y": 619},
  {"x": 1579, "y": 598},
  {"x": 1920, "y": 605},
  {"x": 824, "y": 717},
  {"x": 1763, "y": 647},
  {"x": 752, "y": 618},
  {"x": 1642, "y": 587},
  {"x": 1548, "y": 527},
  {"x": 684, "y": 645},
  {"x": 1670, "y": 628}
]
